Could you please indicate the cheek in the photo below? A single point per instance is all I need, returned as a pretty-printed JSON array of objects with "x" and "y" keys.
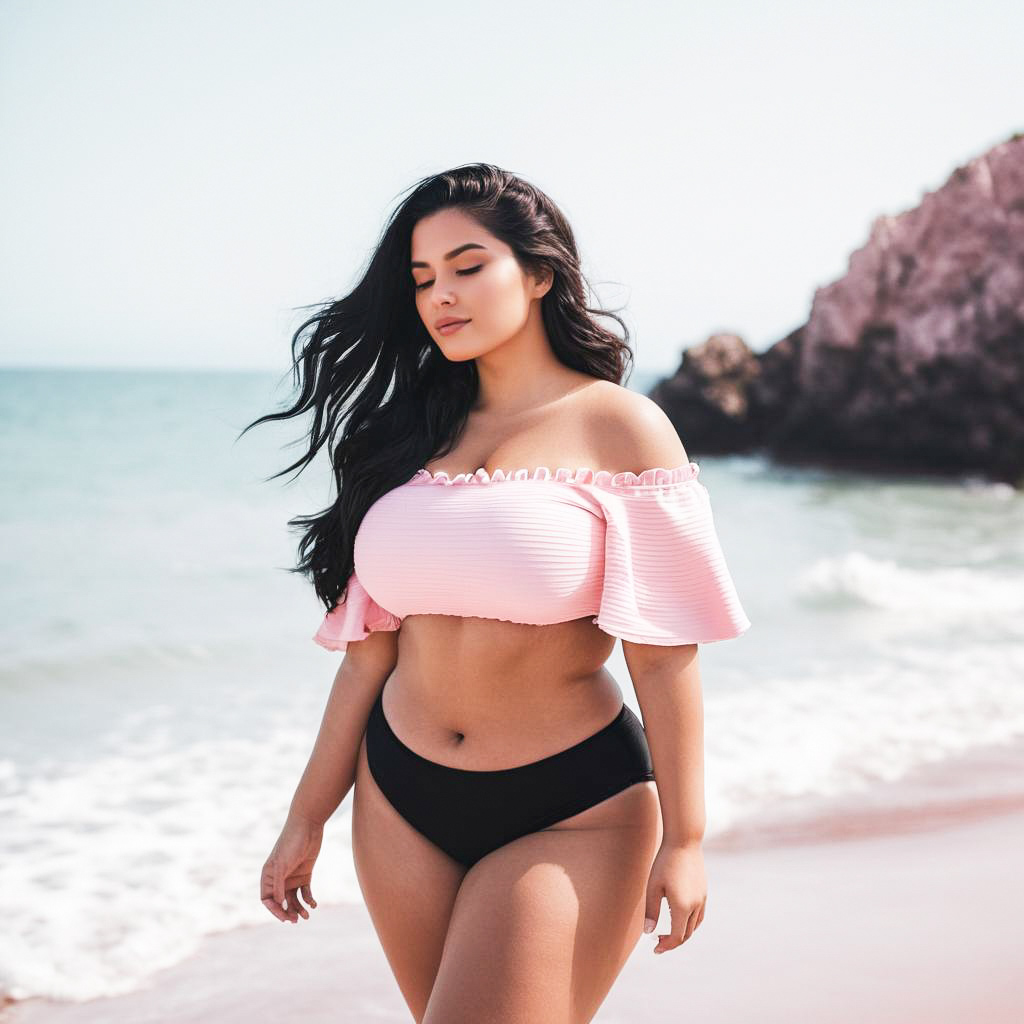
[{"x": 497, "y": 295}]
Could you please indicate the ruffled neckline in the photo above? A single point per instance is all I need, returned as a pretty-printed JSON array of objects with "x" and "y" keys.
[{"x": 657, "y": 476}]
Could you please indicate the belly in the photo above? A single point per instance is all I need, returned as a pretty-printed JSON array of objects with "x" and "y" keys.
[{"x": 483, "y": 694}]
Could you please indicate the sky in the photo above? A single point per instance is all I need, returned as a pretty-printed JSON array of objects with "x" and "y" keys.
[{"x": 178, "y": 178}]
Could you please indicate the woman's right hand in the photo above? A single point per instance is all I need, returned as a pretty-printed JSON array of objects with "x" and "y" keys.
[{"x": 289, "y": 868}]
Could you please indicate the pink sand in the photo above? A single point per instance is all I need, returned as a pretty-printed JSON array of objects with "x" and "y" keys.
[{"x": 919, "y": 926}]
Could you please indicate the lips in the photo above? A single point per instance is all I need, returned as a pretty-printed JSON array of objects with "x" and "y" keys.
[
  {"x": 449, "y": 320},
  {"x": 452, "y": 327}
]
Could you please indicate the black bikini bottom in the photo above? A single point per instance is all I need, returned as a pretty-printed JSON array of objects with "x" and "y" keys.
[{"x": 470, "y": 813}]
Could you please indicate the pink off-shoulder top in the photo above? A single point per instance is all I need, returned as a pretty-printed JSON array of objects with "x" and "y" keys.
[{"x": 637, "y": 552}]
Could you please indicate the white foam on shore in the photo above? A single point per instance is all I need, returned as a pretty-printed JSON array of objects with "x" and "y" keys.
[{"x": 118, "y": 864}]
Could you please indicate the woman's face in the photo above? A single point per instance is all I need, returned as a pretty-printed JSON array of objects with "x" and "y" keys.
[{"x": 461, "y": 270}]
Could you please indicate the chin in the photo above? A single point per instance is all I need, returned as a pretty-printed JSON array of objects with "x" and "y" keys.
[{"x": 463, "y": 353}]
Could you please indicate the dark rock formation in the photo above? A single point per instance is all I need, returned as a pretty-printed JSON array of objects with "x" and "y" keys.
[{"x": 911, "y": 362}]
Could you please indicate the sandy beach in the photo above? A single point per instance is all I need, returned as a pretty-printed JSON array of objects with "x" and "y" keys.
[{"x": 904, "y": 917}]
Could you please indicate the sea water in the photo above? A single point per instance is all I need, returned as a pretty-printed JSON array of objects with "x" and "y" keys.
[{"x": 160, "y": 691}]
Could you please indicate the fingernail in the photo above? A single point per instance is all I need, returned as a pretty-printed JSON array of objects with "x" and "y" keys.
[{"x": 649, "y": 925}]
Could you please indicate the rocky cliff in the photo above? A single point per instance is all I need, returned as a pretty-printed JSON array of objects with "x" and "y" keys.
[{"x": 912, "y": 361}]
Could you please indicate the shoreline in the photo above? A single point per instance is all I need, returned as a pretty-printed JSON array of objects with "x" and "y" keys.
[
  {"x": 898, "y": 904},
  {"x": 979, "y": 784}
]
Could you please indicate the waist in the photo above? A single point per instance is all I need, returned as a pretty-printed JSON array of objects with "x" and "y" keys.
[{"x": 498, "y": 720}]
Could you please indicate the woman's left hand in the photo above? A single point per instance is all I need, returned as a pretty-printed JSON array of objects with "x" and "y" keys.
[{"x": 677, "y": 874}]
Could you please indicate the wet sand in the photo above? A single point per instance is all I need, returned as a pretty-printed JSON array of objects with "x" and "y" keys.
[{"x": 909, "y": 917}]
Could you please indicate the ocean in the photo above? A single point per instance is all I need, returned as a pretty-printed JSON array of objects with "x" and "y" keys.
[{"x": 160, "y": 691}]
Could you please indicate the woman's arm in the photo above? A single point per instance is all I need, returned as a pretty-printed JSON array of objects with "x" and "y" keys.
[
  {"x": 637, "y": 435},
  {"x": 667, "y": 684},
  {"x": 666, "y": 678},
  {"x": 331, "y": 770},
  {"x": 668, "y": 690}
]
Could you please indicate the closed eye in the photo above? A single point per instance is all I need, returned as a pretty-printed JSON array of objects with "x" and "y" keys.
[{"x": 470, "y": 270}]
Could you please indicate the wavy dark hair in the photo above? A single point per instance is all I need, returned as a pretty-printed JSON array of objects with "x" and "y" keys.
[{"x": 384, "y": 398}]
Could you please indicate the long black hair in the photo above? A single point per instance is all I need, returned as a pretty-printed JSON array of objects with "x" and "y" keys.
[{"x": 384, "y": 397}]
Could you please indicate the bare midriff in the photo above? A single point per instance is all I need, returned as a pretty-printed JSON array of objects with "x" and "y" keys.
[{"x": 486, "y": 694}]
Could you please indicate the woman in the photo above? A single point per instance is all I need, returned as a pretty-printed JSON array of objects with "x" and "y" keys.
[{"x": 511, "y": 828}]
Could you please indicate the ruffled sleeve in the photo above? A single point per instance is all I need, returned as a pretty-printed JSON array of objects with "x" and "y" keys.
[
  {"x": 665, "y": 577},
  {"x": 354, "y": 619}
]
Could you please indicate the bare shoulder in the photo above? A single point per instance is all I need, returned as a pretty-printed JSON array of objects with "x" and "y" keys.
[{"x": 632, "y": 431}]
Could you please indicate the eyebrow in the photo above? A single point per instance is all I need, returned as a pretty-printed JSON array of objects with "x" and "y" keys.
[{"x": 451, "y": 255}]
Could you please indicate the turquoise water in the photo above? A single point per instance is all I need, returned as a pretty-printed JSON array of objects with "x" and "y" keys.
[{"x": 160, "y": 691}]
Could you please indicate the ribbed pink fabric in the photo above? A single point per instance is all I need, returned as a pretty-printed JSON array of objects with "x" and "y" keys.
[{"x": 638, "y": 552}]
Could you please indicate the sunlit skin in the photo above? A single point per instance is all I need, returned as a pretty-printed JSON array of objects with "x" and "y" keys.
[
  {"x": 487, "y": 286},
  {"x": 557, "y": 912}
]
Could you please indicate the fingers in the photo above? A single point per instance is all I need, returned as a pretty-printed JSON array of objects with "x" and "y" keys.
[
  {"x": 283, "y": 902},
  {"x": 681, "y": 931},
  {"x": 275, "y": 908},
  {"x": 685, "y": 919},
  {"x": 307, "y": 895},
  {"x": 272, "y": 891},
  {"x": 679, "y": 879},
  {"x": 286, "y": 910},
  {"x": 296, "y": 905},
  {"x": 272, "y": 903},
  {"x": 652, "y": 909}
]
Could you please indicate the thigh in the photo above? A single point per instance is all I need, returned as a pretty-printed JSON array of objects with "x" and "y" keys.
[
  {"x": 543, "y": 925},
  {"x": 409, "y": 886}
]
